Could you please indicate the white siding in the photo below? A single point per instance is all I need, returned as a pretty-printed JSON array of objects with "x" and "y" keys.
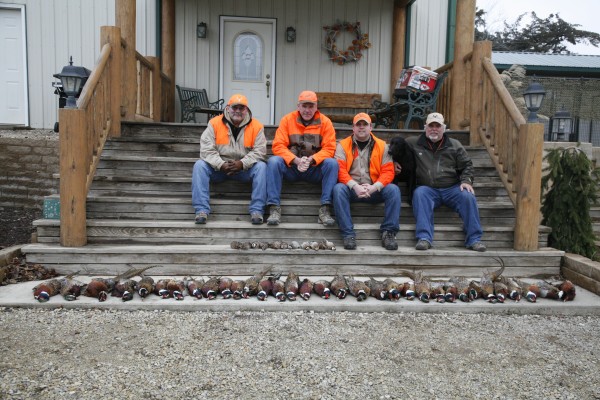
[
  {"x": 300, "y": 65},
  {"x": 428, "y": 23},
  {"x": 57, "y": 29}
]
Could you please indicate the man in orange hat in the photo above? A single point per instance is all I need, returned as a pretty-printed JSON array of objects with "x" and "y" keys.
[
  {"x": 303, "y": 150},
  {"x": 233, "y": 146},
  {"x": 365, "y": 173}
]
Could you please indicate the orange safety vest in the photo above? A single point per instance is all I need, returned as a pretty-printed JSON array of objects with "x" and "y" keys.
[
  {"x": 222, "y": 131},
  {"x": 374, "y": 163}
]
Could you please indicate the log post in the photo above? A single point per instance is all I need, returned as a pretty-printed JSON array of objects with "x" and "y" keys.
[
  {"x": 112, "y": 35},
  {"x": 156, "y": 90},
  {"x": 73, "y": 177},
  {"x": 398, "y": 43},
  {"x": 480, "y": 50},
  {"x": 125, "y": 19},
  {"x": 168, "y": 53},
  {"x": 529, "y": 186},
  {"x": 463, "y": 45}
]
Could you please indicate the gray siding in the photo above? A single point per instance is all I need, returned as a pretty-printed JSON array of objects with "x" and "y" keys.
[
  {"x": 300, "y": 65},
  {"x": 57, "y": 29}
]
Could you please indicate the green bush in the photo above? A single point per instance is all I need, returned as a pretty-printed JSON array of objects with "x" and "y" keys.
[{"x": 569, "y": 188}]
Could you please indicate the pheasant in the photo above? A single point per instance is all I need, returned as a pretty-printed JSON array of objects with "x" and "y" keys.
[
  {"x": 160, "y": 288},
  {"x": 358, "y": 289},
  {"x": 500, "y": 291},
  {"x": 176, "y": 287},
  {"x": 99, "y": 288},
  {"x": 145, "y": 286},
  {"x": 193, "y": 286},
  {"x": 278, "y": 290},
  {"x": 251, "y": 284},
  {"x": 377, "y": 288},
  {"x": 70, "y": 288},
  {"x": 392, "y": 288},
  {"x": 210, "y": 289},
  {"x": 306, "y": 288},
  {"x": 237, "y": 289},
  {"x": 225, "y": 287},
  {"x": 339, "y": 286},
  {"x": 265, "y": 287},
  {"x": 291, "y": 286},
  {"x": 321, "y": 288},
  {"x": 408, "y": 290}
]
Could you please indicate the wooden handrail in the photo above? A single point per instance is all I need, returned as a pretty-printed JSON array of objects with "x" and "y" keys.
[
  {"x": 100, "y": 107},
  {"x": 92, "y": 82},
  {"x": 503, "y": 93},
  {"x": 514, "y": 146}
]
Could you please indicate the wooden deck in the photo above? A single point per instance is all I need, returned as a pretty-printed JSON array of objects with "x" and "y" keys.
[{"x": 139, "y": 212}]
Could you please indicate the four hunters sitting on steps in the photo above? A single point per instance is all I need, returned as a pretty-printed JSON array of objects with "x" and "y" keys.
[{"x": 357, "y": 169}]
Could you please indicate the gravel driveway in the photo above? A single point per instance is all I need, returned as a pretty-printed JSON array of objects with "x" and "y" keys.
[{"x": 89, "y": 354}]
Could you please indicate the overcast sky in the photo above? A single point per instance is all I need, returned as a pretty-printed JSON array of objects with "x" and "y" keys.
[{"x": 583, "y": 12}]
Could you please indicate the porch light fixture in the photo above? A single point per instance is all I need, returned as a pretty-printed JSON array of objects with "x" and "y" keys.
[
  {"x": 73, "y": 79},
  {"x": 561, "y": 126},
  {"x": 201, "y": 30},
  {"x": 290, "y": 34},
  {"x": 534, "y": 95}
]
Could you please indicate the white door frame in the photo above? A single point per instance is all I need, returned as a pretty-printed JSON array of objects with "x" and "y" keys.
[
  {"x": 25, "y": 104},
  {"x": 273, "y": 21}
]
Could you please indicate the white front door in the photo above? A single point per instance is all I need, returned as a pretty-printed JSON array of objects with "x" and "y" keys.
[
  {"x": 13, "y": 73},
  {"x": 247, "y": 55}
]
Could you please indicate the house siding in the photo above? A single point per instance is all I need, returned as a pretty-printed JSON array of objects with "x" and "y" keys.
[
  {"x": 57, "y": 29},
  {"x": 428, "y": 33},
  {"x": 300, "y": 65}
]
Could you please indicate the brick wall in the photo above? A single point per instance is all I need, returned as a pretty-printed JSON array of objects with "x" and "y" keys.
[{"x": 26, "y": 169}]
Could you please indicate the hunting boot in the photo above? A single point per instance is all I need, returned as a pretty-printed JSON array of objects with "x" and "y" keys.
[{"x": 325, "y": 217}]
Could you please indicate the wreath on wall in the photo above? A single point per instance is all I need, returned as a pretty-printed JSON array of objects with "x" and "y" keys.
[{"x": 353, "y": 53}]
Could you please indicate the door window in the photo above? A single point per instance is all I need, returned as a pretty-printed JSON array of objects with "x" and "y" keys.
[{"x": 247, "y": 57}]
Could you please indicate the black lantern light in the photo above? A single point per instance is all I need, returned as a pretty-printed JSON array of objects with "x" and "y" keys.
[
  {"x": 73, "y": 79},
  {"x": 534, "y": 95},
  {"x": 561, "y": 126},
  {"x": 201, "y": 30},
  {"x": 290, "y": 34}
]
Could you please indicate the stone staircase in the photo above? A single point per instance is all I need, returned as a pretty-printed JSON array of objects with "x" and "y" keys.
[{"x": 139, "y": 212}]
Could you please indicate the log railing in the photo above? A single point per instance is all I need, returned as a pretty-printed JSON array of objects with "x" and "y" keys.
[
  {"x": 515, "y": 146},
  {"x": 100, "y": 109}
]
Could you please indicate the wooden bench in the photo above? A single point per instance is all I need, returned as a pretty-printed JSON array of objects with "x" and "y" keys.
[
  {"x": 196, "y": 101},
  {"x": 342, "y": 107}
]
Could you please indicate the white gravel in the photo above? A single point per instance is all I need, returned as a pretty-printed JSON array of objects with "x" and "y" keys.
[{"x": 89, "y": 354}]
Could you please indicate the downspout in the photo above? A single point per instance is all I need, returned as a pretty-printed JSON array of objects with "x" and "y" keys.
[
  {"x": 450, "y": 31},
  {"x": 159, "y": 29}
]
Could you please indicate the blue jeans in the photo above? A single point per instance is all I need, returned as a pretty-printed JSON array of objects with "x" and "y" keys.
[
  {"x": 343, "y": 196},
  {"x": 277, "y": 170},
  {"x": 204, "y": 173},
  {"x": 426, "y": 199}
]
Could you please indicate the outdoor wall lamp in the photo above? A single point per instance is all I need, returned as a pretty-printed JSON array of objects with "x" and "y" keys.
[
  {"x": 534, "y": 95},
  {"x": 290, "y": 34},
  {"x": 561, "y": 125},
  {"x": 72, "y": 79},
  {"x": 201, "y": 30}
]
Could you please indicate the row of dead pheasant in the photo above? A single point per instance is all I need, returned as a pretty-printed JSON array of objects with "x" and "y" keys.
[
  {"x": 492, "y": 287},
  {"x": 323, "y": 244}
]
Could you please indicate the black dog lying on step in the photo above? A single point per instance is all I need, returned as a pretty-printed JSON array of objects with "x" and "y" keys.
[{"x": 404, "y": 155}]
